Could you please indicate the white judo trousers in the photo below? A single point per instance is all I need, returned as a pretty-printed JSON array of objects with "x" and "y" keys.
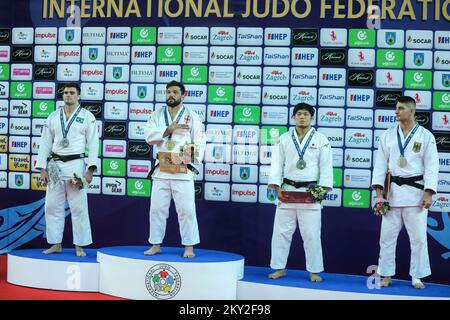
[
  {"x": 183, "y": 194},
  {"x": 55, "y": 214},
  {"x": 309, "y": 222},
  {"x": 415, "y": 221}
]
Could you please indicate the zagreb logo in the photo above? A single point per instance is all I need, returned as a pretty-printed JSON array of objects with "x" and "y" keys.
[
  {"x": 93, "y": 53},
  {"x": 446, "y": 80},
  {"x": 70, "y": 35},
  {"x": 419, "y": 58},
  {"x": 142, "y": 92},
  {"x": 390, "y": 38},
  {"x": 163, "y": 281}
]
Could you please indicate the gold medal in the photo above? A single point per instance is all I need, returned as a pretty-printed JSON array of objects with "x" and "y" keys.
[
  {"x": 170, "y": 144},
  {"x": 402, "y": 162}
]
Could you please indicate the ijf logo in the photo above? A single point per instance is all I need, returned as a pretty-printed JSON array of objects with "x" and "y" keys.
[{"x": 163, "y": 281}]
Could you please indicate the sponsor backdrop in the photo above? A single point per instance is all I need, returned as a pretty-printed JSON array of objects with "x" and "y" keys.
[{"x": 245, "y": 65}]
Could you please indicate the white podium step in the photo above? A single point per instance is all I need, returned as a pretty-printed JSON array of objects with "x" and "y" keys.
[
  {"x": 59, "y": 271},
  {"x": 126, "y": 272}
]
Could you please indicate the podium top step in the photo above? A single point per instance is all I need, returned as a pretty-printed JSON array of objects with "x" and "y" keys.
[{"x": 171, "y": 254}]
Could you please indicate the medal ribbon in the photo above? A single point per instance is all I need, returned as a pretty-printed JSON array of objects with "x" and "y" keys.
[
  {"x": 402, "y": 148},
  {"x": 302, "y": 152},
  {"x": 65, "y": 130},
  {"x": 176, "y": 120}
]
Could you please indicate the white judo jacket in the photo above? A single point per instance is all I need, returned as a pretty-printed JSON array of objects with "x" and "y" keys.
[{"x": 422, "y": 159}]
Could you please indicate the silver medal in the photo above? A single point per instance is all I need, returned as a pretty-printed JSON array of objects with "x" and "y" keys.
[
  {"x": 65, "y": 143},
  {"x": 301, "y": 164}
]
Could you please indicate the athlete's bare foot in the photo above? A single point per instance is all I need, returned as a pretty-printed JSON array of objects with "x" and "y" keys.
[
  {"x": 156, "y": 248},
  {"x": 385, "y": 282},
  {"x": 56, "y": 248},
  {"x": 188, "y": 252},
  {"x": 314, "y": 277},
  {"x": 79, "y": 251},
  {"x": 277, "y": 274},
  {"x": 416, "y": 283}
]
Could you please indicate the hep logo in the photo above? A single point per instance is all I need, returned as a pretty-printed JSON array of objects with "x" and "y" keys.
[
  {"x": 359, "y": 135},
  {"x": 331, "y": 114},
  {"x": 362, "y": 35},
  {"x": 445, "y": 119}
]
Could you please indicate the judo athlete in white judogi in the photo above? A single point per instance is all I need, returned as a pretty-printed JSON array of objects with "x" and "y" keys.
[
  {"x": 292, "y": 170},
  {"x": 409, "y": 152},
  {"x": 169, "y": 129},
  {"x": 67, "y": 133}
]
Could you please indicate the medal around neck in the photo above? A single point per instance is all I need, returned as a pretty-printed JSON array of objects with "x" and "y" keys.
[
  {"x": 301, "y": 164},
  {"x": 65, "y": 143},
  {"x": 170, "y": 144},
  {"x": 402, "y": 162}
]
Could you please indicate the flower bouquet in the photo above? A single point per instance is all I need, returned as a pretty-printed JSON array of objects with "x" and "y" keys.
[
  {"x": 381, "y": 207},
  {"x": 317, "y": 193},
  {"x": 189, "y": 153},
  {"x": 79, "y": 182}
]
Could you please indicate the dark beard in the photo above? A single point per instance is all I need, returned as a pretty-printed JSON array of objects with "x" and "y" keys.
[{"x": 174, "y": 102}]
